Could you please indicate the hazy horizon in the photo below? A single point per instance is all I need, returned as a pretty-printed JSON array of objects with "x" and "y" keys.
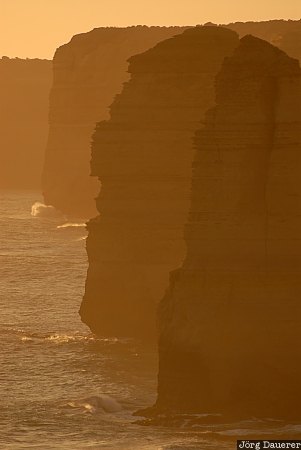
[{"x": 54, "y": 22}]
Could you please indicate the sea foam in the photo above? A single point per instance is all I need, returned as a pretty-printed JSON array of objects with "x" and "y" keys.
[
  {"x": 71, "y": 225},
  {"x": 38, "y": 209},
  {"x": 100, "y": 403}
]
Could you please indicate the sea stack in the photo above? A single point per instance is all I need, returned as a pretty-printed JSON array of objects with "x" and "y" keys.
[
  {"x": 88, "y": 72},
  {"x": 230, "y": 322},
  {"x": 24, "y": 93},
  {"x": 142, "y": 156}
]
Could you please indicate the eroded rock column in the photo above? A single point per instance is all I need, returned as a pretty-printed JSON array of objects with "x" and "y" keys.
[
  {"x": 230, "y": 322},
  {"x": 142, "y": 156}
]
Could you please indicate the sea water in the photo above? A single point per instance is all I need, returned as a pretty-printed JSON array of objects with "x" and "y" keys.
[{"x": 60, "y": 386}]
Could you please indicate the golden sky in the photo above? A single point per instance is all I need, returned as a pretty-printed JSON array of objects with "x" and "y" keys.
[{"x": 35, "y": 28}]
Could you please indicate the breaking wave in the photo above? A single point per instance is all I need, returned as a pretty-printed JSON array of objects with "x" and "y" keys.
[
  {"x": 83, "y": 238},
  {"x": 71, "y": 225},
  {"x": 38, "y": 209},
  {"x": 57, "y": 338},
  {"x": 100, "y": 403}
]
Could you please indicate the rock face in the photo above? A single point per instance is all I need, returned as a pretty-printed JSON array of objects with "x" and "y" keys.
[
  {"x": 285, "y": 34},
  {"x": 24, "y": 92},
  {"x": 88, "y": 72},
  {"x": 230, "y": 324},
  {"x": 143, "y": 156}
]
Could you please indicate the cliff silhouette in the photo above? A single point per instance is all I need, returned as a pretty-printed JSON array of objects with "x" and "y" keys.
[
  {"x": 285, "y": 34},
  {"x": 230, "y": 320},
  {"x": 24, "y": 92},
  {"x": 143, "y": 156},
  {"x": 88, "y": 72},
  {"x": 133, "y": 249}
]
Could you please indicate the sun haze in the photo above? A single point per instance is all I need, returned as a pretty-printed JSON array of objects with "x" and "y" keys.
[{"x": 35, "y": 28}]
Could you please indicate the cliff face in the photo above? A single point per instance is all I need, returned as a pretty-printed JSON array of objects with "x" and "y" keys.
[
  {"x": 230, "y": 320},
  {"x": 24, "y": 92},
  {"x": 285, "y": 34},
  {"x": 142, "y": 156},
  {"x": 88, "y": 72}
]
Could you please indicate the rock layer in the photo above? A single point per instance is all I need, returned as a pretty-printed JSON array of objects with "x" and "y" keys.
[
  {"x": 230, "y": 320},
  {"x": 143, "y": 156},
  {"x": 24, "y": 92},
  {"x": 285, "y": 34},
  {"x": 88, "y": 72}
]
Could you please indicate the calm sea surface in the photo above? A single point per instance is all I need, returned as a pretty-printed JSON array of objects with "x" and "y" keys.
[{"x": 61, "y": 387}]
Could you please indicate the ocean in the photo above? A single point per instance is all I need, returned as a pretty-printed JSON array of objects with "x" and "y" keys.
[{"x": 60, "y": 386}]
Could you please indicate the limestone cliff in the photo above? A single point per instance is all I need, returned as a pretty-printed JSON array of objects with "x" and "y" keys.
[
  {"x": 230, "y": 324},
  {"x": 24, "y": 93},
  {"x": 143, "y": 156},
  {"x": 285, "y": 34},
  {"x": 88, "y": 72}
]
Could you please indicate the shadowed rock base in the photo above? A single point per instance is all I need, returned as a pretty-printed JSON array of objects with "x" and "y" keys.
[{"x": 230, "y": 322}]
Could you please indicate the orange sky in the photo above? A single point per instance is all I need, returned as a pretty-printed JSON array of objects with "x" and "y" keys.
[{"x": 35, "y": 28}]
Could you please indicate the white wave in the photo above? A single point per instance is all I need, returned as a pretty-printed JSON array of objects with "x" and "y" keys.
[
  {"x": 83, "y": 238},
  {"x": 105, "y": 402},
  {"x": 71, "y": 225},
  {"x": 60, "y": 338},
  {"x": 38, "y": 209},
  {"x": 26, "y": 338},
  {"x": 100, "y": 403},
  {"x": 66, "y": 338}
]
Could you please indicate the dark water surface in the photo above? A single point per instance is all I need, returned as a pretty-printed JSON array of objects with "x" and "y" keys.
[{"x": 61, "y": 387}]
